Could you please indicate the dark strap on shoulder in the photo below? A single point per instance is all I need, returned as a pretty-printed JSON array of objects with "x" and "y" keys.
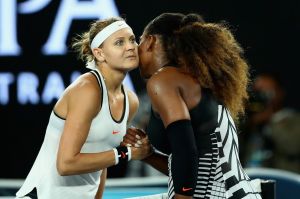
[{"x": 94, "y": 72}]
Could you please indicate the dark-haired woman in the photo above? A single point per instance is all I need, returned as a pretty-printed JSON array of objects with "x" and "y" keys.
[{"x": 196, "y": 80}]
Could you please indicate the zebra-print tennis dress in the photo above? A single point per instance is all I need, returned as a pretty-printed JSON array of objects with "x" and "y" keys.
[{"x": 220, "y": 174}]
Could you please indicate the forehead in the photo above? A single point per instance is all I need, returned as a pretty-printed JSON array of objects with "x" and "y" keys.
[
  {"x": 144, "y": 33},
  {"x": 143, "y": 36}
]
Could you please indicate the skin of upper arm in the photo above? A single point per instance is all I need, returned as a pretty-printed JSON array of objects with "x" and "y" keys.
[
  {"x": 166, "y": 99},
  {"x": 133, "y": 105},
  {"x": 83, "y": 104}
]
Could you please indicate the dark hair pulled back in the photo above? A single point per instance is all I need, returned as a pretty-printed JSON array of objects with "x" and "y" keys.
[{"x": 209, "y": 52}]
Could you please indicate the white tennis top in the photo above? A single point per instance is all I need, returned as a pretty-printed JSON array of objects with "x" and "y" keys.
[{"x": 105, "y": 133}]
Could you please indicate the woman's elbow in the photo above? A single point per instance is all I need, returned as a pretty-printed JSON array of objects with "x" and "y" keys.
[{"x": 63, "y": 168}]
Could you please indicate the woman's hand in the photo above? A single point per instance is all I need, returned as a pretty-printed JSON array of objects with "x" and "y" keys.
[
  {"x": 133, "y": 137},
  {"x": 139, "y": 143}
]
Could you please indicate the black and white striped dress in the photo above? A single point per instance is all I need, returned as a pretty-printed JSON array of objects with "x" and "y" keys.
[{"x": 220, "y": 174}]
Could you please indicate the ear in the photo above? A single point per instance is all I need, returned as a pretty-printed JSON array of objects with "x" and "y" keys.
[
  {"x": 99, "y": 54},
  {"x": 151, "y": 40}
]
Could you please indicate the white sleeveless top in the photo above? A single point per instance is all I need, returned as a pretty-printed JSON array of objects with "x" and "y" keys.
[{"x": 105, "y": 133}]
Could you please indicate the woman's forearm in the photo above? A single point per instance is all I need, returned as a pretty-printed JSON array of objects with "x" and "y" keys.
[
  {"x": 158, "y": 161},
  {"x": 85, "y": 163}
]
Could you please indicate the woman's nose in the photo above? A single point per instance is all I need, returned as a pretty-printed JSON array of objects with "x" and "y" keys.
[{"x": 131, "y": 45}]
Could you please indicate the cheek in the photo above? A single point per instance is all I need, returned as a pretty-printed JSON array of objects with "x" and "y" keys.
[
  {"x": 143, "y": 66},
  {"x": 115, "y": 58},
  {"x": 139, "y": 50},
  {"x": 142, "y": 56}
]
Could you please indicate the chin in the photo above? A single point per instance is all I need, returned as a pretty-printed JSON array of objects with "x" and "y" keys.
[
  {"x": 131, "y": 67},
  {"x": 133, "y": 64}
]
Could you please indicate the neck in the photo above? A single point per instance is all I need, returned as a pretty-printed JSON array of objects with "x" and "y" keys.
[
  {"x": 113, "y": 78},
  {"x": 159, "y": 61}
]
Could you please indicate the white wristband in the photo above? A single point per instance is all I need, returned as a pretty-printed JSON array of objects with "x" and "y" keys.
[
  {"x": 129, "y": 153},
  {"x": 116, "y": 156}
]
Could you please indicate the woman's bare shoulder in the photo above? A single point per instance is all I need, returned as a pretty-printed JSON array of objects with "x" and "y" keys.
[{"x": 166, "y": 77}]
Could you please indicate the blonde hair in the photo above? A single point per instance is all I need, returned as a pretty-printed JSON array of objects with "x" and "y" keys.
[{"x": 82, "y": 42}]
